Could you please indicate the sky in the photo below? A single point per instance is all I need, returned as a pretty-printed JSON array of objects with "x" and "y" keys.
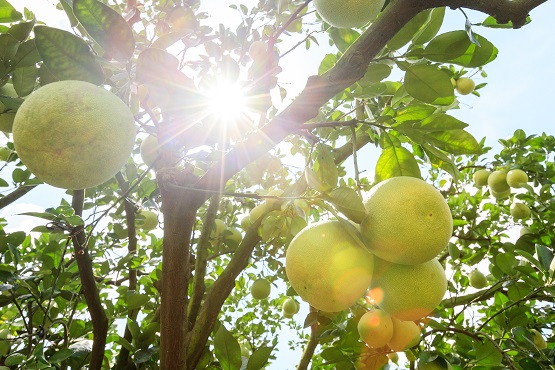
[{"x": 518, "y": 95}]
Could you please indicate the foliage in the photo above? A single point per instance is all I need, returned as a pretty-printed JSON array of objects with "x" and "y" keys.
[{"x": 87, "y": 288}]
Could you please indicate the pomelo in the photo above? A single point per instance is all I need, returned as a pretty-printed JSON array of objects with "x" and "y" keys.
[
  {"x": 375, "y": 328},
  {"x": 407, "y": 221},
  {"x": 348, "y": 13},
  {"x": 327, "y": 267},
  {"x": 406, "y": 334},
  {"x": 73, "y": 134}
]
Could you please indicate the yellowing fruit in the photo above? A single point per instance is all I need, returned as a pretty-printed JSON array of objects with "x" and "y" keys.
[
  {"x": 408, "y": 292},
  {"x": 465, "y": 85},
  {"x": 348, "y": 13},
  {"x": 480, "y": 177},
  {"x": 375, "y": 328},
  {"x": 73, "y": 134},
  {"x": 497, "y": 182},
  {"x": 516, "y": 178},
  {"x": 407, "y": 221},
  {"x": 261, "y": 289},
  {"x": 327, "y": 267},
  {"x": 406, "y": 334},
  {"x": 477, "y": 279}
]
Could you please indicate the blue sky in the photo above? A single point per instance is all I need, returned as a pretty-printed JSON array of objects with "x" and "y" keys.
[{"x": 518, "y": 95}]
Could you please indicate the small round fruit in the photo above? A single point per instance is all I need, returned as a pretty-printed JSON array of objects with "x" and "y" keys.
[
  {"x": 257, "y": 212},
  {"x": 393, "y": 356},
  {"x": 73, "y": 134},
  {"x": 246, "y": 223},
  {"x": 261, "y": 289},
  {"x": 516, "y": 178},
  {"x": 497, "y": 182},
  {"x": 218, "y": 229},
  {"x": 408, "y": 292},
  {"x": 327, "y": 267},
  {"x": 375, "y": 328},
  {"x": 290, "y": 306},
  {"x": 539, "y": 340},
  {"x": 149, "y": 220},
  {"x": 258, "y": 50},
  {"x": 348, "y": 13},
  {"x": 480, "y": 177},
  {"x": 477, "y": 279},
  {"x": 465, "y": 86},
  {"x": 500, "y": 196},
  {"x": 519, "y": 211},
  {"x": 406, "y": 334},
  {"x": 150, "y": 150},
  {"x": 407, "y": 221}
]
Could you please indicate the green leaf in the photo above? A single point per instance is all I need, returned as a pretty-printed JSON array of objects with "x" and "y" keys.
[
  {"x": 60, "y": 355},
  {"x": 135, "y": 301},
  {"x": 348, "y": 202},
  {"x": 8, "y": 47},
  {"x": 327, "y": 63},
  {"x": 488, "y": 355},
  {"x": 67, "y": 5},
  {"x": 343, "y": 37},
  {"x": 452, "y": 141},
  {"x": 408, "y": 31},
  {"x": 27, "y": 55},
  {"x": 141, "y": 356},
  {"x": 429, "y": 84},
  {"x": 106, "y": 26},
  {"x": 259, "y": 358},
  {"x": 506, "y": 263},
  {"x": 544, "y": 256},
  {"x": 44, "y": 215},
  {"x": 24, "y": 79},
  {"x": 8, "y": 14},
  {"x": 376, "y": 72},
  {"x": 415, "y": 113},
  {"x": 441, "y": 160},
  {"x": 323, "y": 175},
  {"x": 14, "y": 359},
  {"x": 456, "y": 47},
  {"x": 227, "y": 349},
  {"x": 66, "y": 56},
  {"x": 491, "y": 22},
  {"x": 431, "y": 27},
  {"x": 396, "y": 161},
  {"x": 21, "y": 31}
]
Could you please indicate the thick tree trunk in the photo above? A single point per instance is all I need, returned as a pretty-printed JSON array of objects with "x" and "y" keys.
[{"x": 179, "y": 219}]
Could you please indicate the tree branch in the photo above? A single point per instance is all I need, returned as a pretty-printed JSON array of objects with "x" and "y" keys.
[
  {"x": 15, "y": 195},
  {"x": 310, "y": 346},
  {"x": 89, "y": 288}
]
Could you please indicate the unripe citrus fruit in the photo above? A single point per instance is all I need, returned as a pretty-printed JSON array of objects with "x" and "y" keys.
[
  {"x": 261, "y": 289},
  {"x": 406, "y": 334},
  {"x": 218, "y": 228},
  {"x": 148, "y": 220},
  {"x": 516, "y": 178},
  {"x": 290, "y": 306},
  {"x": 272, "y": 203},
  {"x": 520, "y": 211},
  {"x": 477, "y": 279},
  {"x": 480, "y": 177},
  {"x": 246, "y": 223},
  {"x": 502, "y": 195},
  {"x": 465, "y": 86},
  {"x": 327, "y": 267},
  {"x": 234, "y": 236},
  {"x": 150, "y": 149},
  {"x": 393, "y": 356},
  {"x": 257, "y": 212},
  {"x": 407, "y": 221},
  {"x": 73, "y": 134},
  {"x": 497, "y": 182},
  {"x": 539, "y": 340},
  {"x": 375, "y": 328},
  {"x": 348, "y": 13},
  {"x": 408, "y": 292}
]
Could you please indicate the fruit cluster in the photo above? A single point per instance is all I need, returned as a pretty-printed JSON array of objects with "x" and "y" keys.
[
  {"x": 500, "y": 183},
  {"x": 390, "y": 256}
]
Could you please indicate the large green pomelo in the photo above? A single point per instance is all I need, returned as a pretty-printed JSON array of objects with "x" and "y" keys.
[{"x": 73, "y": 134}]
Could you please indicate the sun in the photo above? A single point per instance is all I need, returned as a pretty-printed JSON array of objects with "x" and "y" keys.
[{"x": 226, "y": 102}]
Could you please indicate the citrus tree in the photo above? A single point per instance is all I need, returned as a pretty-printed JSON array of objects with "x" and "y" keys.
[{"x": 191, "y": 240}]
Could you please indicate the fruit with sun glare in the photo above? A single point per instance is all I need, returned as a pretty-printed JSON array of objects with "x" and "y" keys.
[
  {"x": 258, "y": 212},
  {"x": 150, "y": 150},
  {"x": 465, "y": 85},
  {"x": 375, "y": 328},
  {"x": 327, "y": 267},
  {"x": 350, "y": 13},
  {"x": 516, "y": 178},
  {"x": 406, "y": 334},
  {"x": 407, "y": 221},
  {"x": 73, "y": 134},
  {"x": 274, "y": 203},
  {"x": 258, "y": 49},
  {"x": 408, "y": 292}
]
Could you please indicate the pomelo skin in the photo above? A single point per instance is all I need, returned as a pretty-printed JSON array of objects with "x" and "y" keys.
[
  {"x": 348, "y": 13},
  {"x": 327, "y": 267},
  {"x": 407, "y": 221},
  {"x": 73, "y": 134}
]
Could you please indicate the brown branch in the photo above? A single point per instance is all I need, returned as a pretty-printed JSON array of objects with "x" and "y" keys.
[
  {"x": 89, "y": 288},
  {"x": 15, "y": 195},
  {"x": 123, "y": 360},
  {"x": 311, "y": 345},
  {"x": 200, "y": 260},
  {"x": 223, "y": 286}
]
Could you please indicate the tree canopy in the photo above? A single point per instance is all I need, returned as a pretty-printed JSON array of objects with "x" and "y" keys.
[{"x": 154, "y": 269}]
